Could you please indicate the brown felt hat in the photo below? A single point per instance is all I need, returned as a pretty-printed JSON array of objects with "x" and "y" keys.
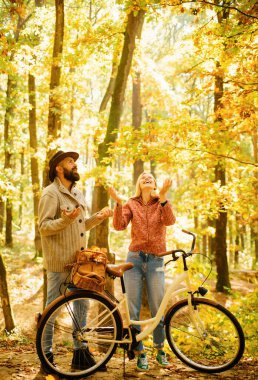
[{"x": 58, "y": 157}]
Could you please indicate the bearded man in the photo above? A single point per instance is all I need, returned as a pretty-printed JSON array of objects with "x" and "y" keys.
[{"x": 63, "y": 225}]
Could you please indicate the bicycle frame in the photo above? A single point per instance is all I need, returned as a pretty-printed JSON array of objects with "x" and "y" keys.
[{"x": 171, "y": 291}]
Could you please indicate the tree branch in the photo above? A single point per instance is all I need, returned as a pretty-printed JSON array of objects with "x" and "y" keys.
[
  {"x": 241, "y": 83},
  {"x": 215, "y": 5},
  {"x": 216, "y": 155},
  {"x": 223, "y": 6}
]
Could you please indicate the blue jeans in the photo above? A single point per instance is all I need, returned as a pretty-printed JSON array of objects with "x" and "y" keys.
[
  {"x": 54, "y": 282},
  {"x": 150, "y": 268},
  {"x": 54, "y": 290}
]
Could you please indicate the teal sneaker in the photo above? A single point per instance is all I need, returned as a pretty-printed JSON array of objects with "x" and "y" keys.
[
  {"x": 142, "y": 363},
  {"x": 162, "y": 359}
]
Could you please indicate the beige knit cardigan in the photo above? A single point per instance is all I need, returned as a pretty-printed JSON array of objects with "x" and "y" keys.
[{"x": 61, "y": 236}]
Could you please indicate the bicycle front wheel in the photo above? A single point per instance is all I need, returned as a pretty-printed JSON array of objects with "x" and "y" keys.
[
  {"x": 77, "y": 334},
  {"x": 209, "y": 340}
]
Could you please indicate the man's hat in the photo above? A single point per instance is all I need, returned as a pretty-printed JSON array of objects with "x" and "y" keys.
[{"x": 58, "y": 157}]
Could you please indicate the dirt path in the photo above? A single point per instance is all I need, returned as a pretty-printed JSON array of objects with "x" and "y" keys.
[{"x": 20, "y": 362}]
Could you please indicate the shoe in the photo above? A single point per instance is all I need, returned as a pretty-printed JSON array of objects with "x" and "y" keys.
[
  {"x": 162, "y": 359},
  {"x": 82, "y": 359},
  {"x": 142, "y": 363}
]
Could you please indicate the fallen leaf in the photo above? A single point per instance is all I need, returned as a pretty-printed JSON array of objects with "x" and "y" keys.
[{"x": 52, "y": 377}]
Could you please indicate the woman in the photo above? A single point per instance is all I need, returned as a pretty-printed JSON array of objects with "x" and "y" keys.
[{"x": 149, "y": 215}]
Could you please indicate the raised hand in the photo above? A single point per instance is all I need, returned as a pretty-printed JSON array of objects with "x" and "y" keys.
[
  {"x": 113, "y": 194},
  {"x": 72, "y": 214},
  {"x": 164, "y": 189}
]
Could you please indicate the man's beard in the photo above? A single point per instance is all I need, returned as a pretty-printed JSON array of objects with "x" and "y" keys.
[{"x": 71, "y": 175}]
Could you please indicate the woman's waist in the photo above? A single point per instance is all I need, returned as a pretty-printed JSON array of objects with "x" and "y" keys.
[{"x": 151, "y": 248}]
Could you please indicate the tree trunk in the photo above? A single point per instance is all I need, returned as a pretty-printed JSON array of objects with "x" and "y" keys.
[
  {"x": 108, "y": 94},
  {"x": 223, "y": 283},
  {"x": 236, "y": 252},
  {"x": 11, "y": 84},
  {"x": 54, "y": 112},
  {"x": 7, "y": 310},
  {"x": 111, "y": 85},
  {"x": 138, "y": 168},
  {"x": 1, "y": 215},
  {"x": 137, "y": 120},
  {"x": 72, "y": 94},
  {"x": 133, "y": 30},
  {"x": 40, "y": 3},
  {"x": 34, "y": 160},
  {"x": 21, "y": 188},
  {"x": 204, "y": 244},
  {"x": 138, "y": 165},
  {"x": 153, "y": 164},
  {"x": 94, "y": 208},
  {"x": 211, "y": 240},
  {"x": 254, "y": 227},
  {"x": 8, "y": 153},
  {"x": 9, "y": 223}
]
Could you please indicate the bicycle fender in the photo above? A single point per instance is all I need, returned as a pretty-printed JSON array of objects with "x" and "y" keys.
[
  {"x": 41, "y": 317},
  {"x": 185, "y": 302}
]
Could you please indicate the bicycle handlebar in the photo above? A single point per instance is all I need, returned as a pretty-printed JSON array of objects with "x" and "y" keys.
[
  {"x": 174, "y": 251},
  {"x": 194, "y": 238}
]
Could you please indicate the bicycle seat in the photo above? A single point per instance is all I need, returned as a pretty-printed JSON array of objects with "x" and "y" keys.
[{"x": 117, "y": 270}]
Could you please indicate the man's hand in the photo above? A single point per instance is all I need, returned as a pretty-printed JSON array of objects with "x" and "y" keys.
[
  {"x": 104, "y": 213},
  {"x": 72, "y": 214}
]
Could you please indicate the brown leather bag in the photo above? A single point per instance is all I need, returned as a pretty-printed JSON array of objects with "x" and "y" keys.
[{"x": 89, "y": 270}]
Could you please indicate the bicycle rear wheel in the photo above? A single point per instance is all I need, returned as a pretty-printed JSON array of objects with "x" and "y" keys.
[
  {"x": 211, "y": 341},
  {"x": 77, "y": 334}
]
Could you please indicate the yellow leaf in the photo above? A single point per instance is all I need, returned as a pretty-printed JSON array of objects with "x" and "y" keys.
[{"x": 52, "y": 377}]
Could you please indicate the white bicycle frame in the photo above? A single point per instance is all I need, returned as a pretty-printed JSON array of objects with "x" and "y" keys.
[{"x": 171, "y": 292}]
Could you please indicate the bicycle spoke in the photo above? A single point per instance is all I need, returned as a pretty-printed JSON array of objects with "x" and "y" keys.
[
  {"x": 210, "y": 340},
  {"x": 79, "y": 335}
]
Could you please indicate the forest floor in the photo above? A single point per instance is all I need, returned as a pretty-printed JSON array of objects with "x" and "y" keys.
[
  {"x": 18, "y": 358},
  {"x": 19, "y": 362}
]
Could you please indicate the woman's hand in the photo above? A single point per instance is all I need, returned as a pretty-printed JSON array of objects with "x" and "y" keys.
[
  {"x": 163, "y": 191},
  {"x": 113, "y": 194}
]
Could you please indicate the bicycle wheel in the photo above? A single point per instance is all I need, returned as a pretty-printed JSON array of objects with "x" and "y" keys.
[
  {"x": 77, "y": 334},
  {"x": 212, "y": 340}
]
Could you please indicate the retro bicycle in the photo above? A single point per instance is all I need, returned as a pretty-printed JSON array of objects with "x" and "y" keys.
[{"x": 202, "y": 333}]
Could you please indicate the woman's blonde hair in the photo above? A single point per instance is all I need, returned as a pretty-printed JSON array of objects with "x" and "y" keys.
[{"x": 137, "y": 186}]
